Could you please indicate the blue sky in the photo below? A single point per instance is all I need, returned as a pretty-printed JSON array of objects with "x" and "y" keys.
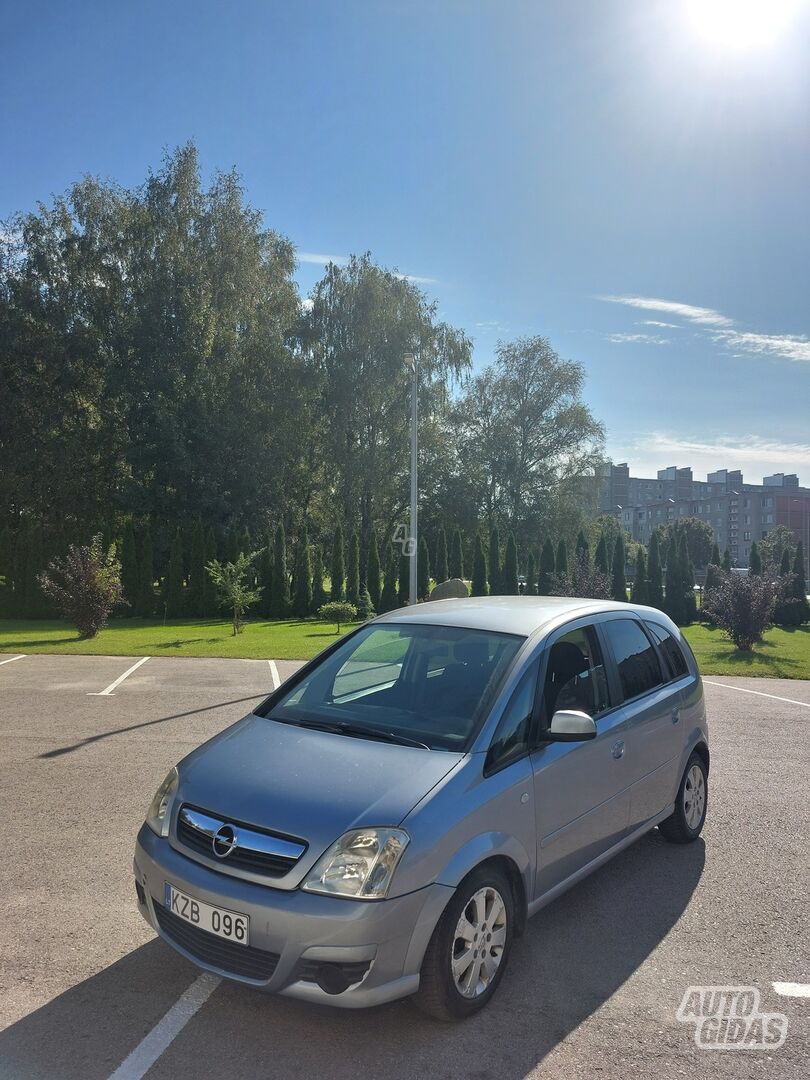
[{"x": 625, "y": 177}]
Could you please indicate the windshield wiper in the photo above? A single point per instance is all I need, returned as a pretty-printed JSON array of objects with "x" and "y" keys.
[{"x": 342, "y": 727}]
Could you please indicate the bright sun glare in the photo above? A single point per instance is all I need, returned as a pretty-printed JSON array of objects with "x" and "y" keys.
[{"x": 741, "y": 24}]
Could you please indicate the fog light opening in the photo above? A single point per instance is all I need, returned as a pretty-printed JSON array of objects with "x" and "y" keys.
[{"x": 332, "y": 979}]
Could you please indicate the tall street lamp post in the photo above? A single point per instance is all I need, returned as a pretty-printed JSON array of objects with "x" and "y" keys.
[{"x": 410, "y": 360}]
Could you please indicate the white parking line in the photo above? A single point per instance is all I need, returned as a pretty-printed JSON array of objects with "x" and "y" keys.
[
  {"x": 107, "y": 691},
  {"x": 792, "y": 989},
  {"x": 759, "y": 693},
  {"x": 274, "y": 674},
  {"x": 146, "y": 1053},
  {"x": 11, "y": 658}
]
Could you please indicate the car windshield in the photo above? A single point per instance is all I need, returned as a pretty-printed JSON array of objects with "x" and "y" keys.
[{"x": 421, "y": 685}]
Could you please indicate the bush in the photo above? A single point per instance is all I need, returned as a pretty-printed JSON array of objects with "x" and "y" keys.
[
  {"x": 337, "y": 611},
  {"x": 85, "y": 585},
  {"x": 582, "y": 579},
  {"x": 365, "y": 606},
  {"x": 231, "y": 581},
  {"x": 742, "y": 607}
]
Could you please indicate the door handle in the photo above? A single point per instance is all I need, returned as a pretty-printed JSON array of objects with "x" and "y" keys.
[
  {"x": 676, "y": 715},
  {"x": 618, "y": 748}
]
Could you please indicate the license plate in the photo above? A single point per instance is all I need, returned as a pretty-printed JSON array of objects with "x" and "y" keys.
[{"x": 230, "y": 925}]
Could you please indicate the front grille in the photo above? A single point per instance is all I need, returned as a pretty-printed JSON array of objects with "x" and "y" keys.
[
  {"x": 209, "y": 949},
  {"x": 246, "y": 855}
]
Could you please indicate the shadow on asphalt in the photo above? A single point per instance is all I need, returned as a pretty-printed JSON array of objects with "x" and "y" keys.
[
  {"x": 574, "y": 956},
  {"x": 60, "y": 750}
]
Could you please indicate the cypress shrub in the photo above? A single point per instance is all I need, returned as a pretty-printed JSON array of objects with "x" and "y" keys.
[
  {"x": 280, "y": 594},
  {"x": 423, "y": 570},
  {"x": 196, "y": 572},
  {"x": 583, "y": 548},
  {"x": 618, "y": 579},
  {"x": 130, "y": 573},
  {"x": 210, "y": 600},
  {"x": 173, "y": 585},
  {"x": 373, "y": 570},
  {"x": 338, "y": 575},
  {"x": 456, "y": 563},
  {"x": 319, "y": 597},
  {"x": 494, "y": 561},
  {"x": 388, "y": 598},
  {"x": 547, "y": 568},
  {"x": 404, "y": 589},
  {"x": 600, "y": 559},
  {"x": 754, "y": 559},
  {"x": 303, "y": 577},
  {"x": 510, "y": 568},
  {"x": 146, "y": 568},
  {"x": 353, "y": 571},
  {"x": 479, "y": 574},
  {"x": 562, "y": 557},
  {"x": 655, "y": 582},
  {"x": 441, "y": 573},
  {"x": 531, "y": 576},
  {"x": 640, "y": 593}
]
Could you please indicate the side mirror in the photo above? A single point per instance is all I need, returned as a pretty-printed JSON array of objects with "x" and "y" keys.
[{"x": 570, "y": 726}]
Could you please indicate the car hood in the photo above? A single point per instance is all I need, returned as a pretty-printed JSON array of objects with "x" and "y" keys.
[{"x": 305, "y": 783}]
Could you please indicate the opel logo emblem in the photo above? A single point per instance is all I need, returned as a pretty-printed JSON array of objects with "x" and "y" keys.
[{"x": 224, "y": 841}]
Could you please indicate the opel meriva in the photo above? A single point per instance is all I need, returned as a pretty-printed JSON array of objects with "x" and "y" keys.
[{"x": 385, "y": 822}]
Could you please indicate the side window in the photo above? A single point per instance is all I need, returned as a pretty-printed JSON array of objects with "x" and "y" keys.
[
  {"x": 512, "y": 736},
  {"x": 636, "y": 658},
  {"x": 670, "y": 648},
  {"x": 575, "y": 675}
]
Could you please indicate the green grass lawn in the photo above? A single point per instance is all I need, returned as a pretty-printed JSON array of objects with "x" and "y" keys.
[
  {"x": 783, "y": 654},
  {"x": 291, "y": 639}
]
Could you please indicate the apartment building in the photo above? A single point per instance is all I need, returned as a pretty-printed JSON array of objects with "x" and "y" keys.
[{"x": 738, "y": 513}]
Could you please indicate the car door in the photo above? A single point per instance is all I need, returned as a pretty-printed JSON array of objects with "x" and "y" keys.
[
  {"x": 581, "y": 788},
  {"x": 650, "y": 707}
]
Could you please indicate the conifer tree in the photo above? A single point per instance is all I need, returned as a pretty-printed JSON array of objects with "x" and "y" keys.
[
  {"x": 562, "y": 557},
  {"x": 510, "y": 568},
  {"x": 173, "y": 584},
  {"x": 388, "y": 598},
  {"x": 479, "y": 573},
  {"x": 754, "y": 559},
  {"x": 265, "y": 577},
  {"x": 319, "y": 596},
  {"x": 441, "y": 573},
  {"x": 583, "y": 548},
  {"x": 673, "y": 583},
  {"x": 802, "y": 608},
  {"x": 600, "y": 560},
  {"x": 655, "y": 582},
  {"x": 232, "y": 545},
  {"x": 353, "y": 570},
  {"x": 373, "y": 570},
  {"x": 281, "y": 581},
  {"x": 196, "y": 571},
  {"x": 210, "y": 599},
  {"x": 245, "y": 542},
  {"x": 687, "y": 575},
  {"x": 639, "y": 592},
  {"x": 338, "y": 574},
  {"x": 727, "y": 560},
  {"x": 130, "y": 574},
  {"x": 618, "y": 576},
  {"x": 714, "y": 558},
  {"x": 548, "y": 566},
  {"x": 146, "y": 567},
  {"x": 423, "y": 570},
  {"x": 456, "y": 563},
  {"x": 531, "y": 576},
  {"x": 303, "y": 577},
  {"x": 404, "y": 586},
  {"x": 494, "y": 561}
]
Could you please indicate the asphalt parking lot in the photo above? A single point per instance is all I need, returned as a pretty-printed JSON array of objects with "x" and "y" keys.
[{"x": 592, "y": 990}]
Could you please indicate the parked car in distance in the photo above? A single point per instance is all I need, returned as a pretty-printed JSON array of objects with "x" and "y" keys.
[{"x": 386, "y": 821}]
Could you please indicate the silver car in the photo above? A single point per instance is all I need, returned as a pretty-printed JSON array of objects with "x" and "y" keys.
[{"x": 386, "y": 821}]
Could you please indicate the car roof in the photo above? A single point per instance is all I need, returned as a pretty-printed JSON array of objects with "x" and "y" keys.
[{"x": 504, "y": 614}]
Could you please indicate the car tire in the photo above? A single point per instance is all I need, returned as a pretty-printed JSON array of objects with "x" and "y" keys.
[
  {"x": 453, "y": 983},
  {"x": 685, "y": 824}
]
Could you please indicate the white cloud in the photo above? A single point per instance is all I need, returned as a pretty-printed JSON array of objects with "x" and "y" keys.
[
  {"x": 306, "y": 303},
  {"x": 788, "y": 346},
  {"x": 757, "y": 456},
  {"x": 638, "y": 339},
  {"x": 655, "y": 322},
  {"x": 416, "y": 279},
  {"x": 699, "y": 315},
  {"x": 321, "y": 260}
]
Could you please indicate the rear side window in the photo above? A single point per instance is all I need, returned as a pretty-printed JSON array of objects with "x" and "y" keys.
[
  {"x": 670, "y": 648},
  {"x": 635, "y": 655}
]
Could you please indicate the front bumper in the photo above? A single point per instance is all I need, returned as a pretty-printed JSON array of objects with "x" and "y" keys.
[{"x": 382, "y": 942}]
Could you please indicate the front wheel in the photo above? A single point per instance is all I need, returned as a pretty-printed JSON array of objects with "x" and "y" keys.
[
  {"x": 467, "y": 955},
  {"x": 685, "y": 823}
]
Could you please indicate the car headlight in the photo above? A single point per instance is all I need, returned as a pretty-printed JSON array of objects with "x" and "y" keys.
[
  {"x": 158, "y": 814},
  {"x": 360, "y": 864}
]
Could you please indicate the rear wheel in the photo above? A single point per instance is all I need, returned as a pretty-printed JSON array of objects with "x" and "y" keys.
[
  {"x": 686, "y": 822},
  {"x": 469, "y": 950}
]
